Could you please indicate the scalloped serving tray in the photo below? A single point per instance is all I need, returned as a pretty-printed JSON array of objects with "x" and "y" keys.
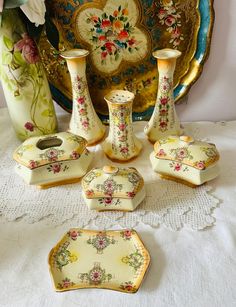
[
  {"x": 121, "y": 36},
  {"x": 115, "y": 260}
]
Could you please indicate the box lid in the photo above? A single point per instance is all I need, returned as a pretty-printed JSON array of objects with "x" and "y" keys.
[
  {"x": 111, "y": 181},
  {"x": 43, "y": 150},
  {"x": 186, "y": 150}
]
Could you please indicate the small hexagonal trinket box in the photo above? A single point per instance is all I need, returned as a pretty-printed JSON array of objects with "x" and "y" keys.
[
  {"x": 52, "y": 160},
  {"x": 113, "y": 188},
  {"x": 183, "y": 159}
]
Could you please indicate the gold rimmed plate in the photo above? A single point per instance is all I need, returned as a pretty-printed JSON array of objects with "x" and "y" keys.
[
  {"x": 115, "y": 260},
  {"x": 121, "y": 36}
]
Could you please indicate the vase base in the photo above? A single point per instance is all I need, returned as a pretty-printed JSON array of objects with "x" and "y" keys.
[
  {"x": 178, "y": 180},
  {"x": 58, "y": 183},
  {"x": 116, "y": 160}
]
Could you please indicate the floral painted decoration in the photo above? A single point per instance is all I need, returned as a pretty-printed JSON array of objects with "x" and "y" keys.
[
  {"x": 135, "y": 260},
  {"x": 101, "y": 241},
  {"x": 126, "y": 234},
  {"x": 65, "y": 284},
  {"x": 109, "y": 201},
  {"x": 56, "y": 168},
  {"x": 74, "y": 234},
  {"x": 95, "y": 276},
  {"x": 128, "y": 286},
  {"x": 63, "y": 256}
]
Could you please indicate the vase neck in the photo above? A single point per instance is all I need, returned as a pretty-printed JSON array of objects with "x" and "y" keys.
[
  {"x": 77, "y": 66},
  {"x": 166, "y": 68}
]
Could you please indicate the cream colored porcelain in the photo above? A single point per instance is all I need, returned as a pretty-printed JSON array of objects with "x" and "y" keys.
[
  {"x": 115, "y": 260},
  {"x": 113, "y": 188},
  {"x": 84, "y": 120},
  {"x": 164, "y": 120},
  {"x": 185, "y": 159},
  {"x": 121, "y": 143},
  {"x": 54, "y": 159}
]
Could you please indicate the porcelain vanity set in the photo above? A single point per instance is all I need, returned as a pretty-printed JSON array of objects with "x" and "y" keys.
[{"x": 63, "y": 157}]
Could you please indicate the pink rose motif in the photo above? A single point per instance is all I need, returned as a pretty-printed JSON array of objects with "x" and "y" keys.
[
  {"x": 122, "y": 138},
  {"x": 163, "y": 112},
  {"x": 170, "y": 20},
  {"x": 175, "y": 33},
  {"x": 75, "y": 155},
  {"x": 127, "y": 234},
  {"x": 28, "y": 48},
  {"x": 82, "y": 112},
  {"x": 29, "y": 126},
  {"x": 162, "y": 13},
  {"x": 124, "y": 150},
  {"x": 85, "y": 124},
  {"x": 164, "y": 101},
  {"x": 201, "y": 165},
  {"x": 96, "y": 276},
  {"x": 177, "y": 167},
  {"x": 56, "y": 168},
  {"x": 161, "y": 153},
  {"x": 89, "y": 193},
  {"x": 73, "y": 234},
  {"x": 52, "y": 154},
  {"x": 33, "y": 164},
  {"x": 122, "y": 127},
  {"x": 130, "y": 194},
  {"x": 81, "y": 100},
  {"x": 66, "y": 284},
  {"x": 129, "y": 287},
  {"x": 163, "y": 124},
  {"x": 108, "y": 200}
]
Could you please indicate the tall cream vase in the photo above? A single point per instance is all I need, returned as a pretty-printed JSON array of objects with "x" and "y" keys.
[
  {"x": 121, "y": 145},
  {"x": 23, "y": 80},
  {"x": 164, "y": 120},
  {"x": 84, "y": 120}
]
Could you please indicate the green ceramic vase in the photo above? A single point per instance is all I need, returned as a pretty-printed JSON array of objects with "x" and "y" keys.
[{"x": 23, "y": 80}]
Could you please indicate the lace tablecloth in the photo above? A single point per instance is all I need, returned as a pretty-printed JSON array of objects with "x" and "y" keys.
[
  {"x": 168, "y": 203},
  {"x": 189, "y": 268}
]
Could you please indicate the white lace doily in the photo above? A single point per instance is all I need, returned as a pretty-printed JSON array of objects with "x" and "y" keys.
[{"x": 167, "y": 203}]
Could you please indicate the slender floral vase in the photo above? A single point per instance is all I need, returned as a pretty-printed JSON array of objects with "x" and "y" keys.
[
  {"x": 121, "y": 143},
  {"x": 84, "y": 120},
  {"x": 164, "y": 120},
  {"x": 23, "y": 80}
]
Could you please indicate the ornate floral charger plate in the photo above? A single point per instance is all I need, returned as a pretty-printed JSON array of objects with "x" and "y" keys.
[
  {"x": 121, "y": 36},
  {"x": 115, "y": 260}
]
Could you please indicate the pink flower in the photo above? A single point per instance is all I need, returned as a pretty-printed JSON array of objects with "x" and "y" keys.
[
  {"x": 33, "y": 164},
  {"x": 163, "y": 112},
  {"x": 170, "y": 20},
  {"x": 89, "y": 193},
  {"x": 52, "y": 154},
  {"x": 127, "y": 234},
  {"x": 161, "y": 153},
  {"x": 161, "y": 13},
  {"x": 75, "y": 155},
  {"x": 164, "y": 101},
  {"x": 73, "y": 234},
  {"x": 66, "y": 283},
  {"x": 105, "y": 23},
  {"x": 81, "y": 100},
  {"x": 82, "y": 112},
  {"x": 94, "y": 19},
  {"x": 163, "y": 124},
  {"x": 122, "y": 138},
  {"x": 177, "y": 167},
  {"x": 122, "y": 127},
  {"x": 29, "y": 126},
  {"x": 175, "y": 33},
  {"x": 96, "y": 275},
  {"x": 56, "y": 168},
  {"x": 130, "y": 194},
  {"x": 201, "y": 165},
  {"x": 85, "y": 124},
  {"x": 28, "y": 48},
  {"x": 108, "y": 200},
  {"x": 129, "y": 287},
  {"x": 124, "y": 150}
]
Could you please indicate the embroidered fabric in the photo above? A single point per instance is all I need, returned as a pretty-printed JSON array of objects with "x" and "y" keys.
[{"x": 167, "y": 203}]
